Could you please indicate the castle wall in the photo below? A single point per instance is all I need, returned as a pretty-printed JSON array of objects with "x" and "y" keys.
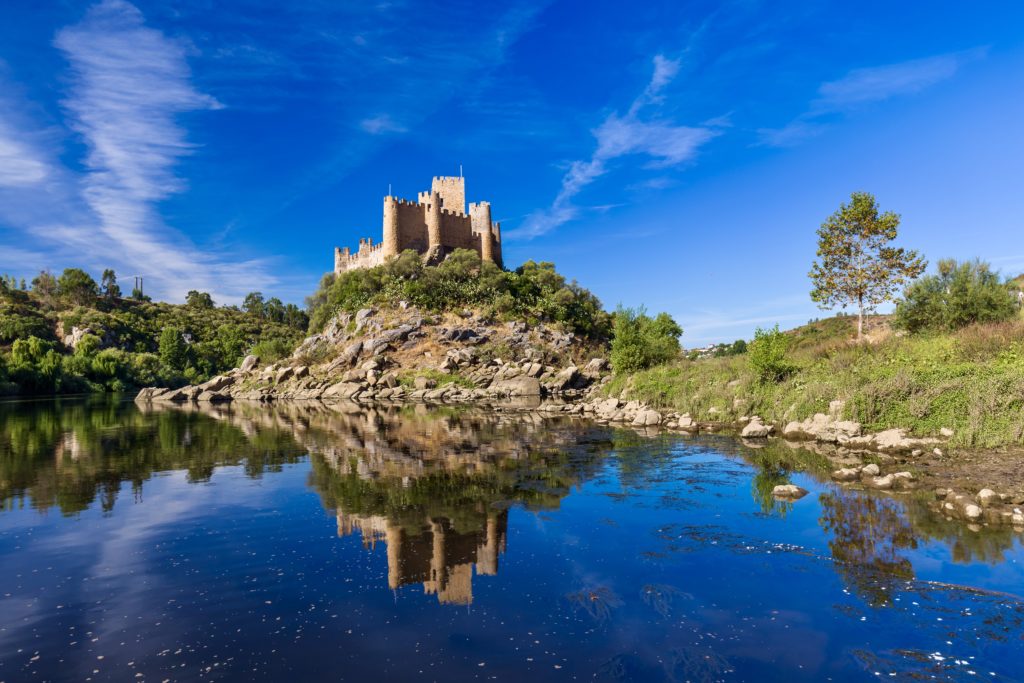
[
  {"x": 411, "y": 225},
  {"x": 453, "y": 192}
]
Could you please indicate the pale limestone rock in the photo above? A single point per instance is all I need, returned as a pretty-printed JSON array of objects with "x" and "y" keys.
[{"x": 790, "y": 491}]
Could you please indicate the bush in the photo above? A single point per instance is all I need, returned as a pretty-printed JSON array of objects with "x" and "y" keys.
[
  {"x": 271, "y": 350},
  {"x": 534, "y": 291},
  {"x": 960, "y": 294},
  {"x": 767, "y": 355},
  {"x": 641, "y": 342}
]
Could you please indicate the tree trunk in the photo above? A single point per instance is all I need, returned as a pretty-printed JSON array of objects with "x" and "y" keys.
[{"x": 860, "y": 319}]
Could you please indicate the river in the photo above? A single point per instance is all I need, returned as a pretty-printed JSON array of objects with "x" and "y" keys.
[{"x": 309, "y": 542}]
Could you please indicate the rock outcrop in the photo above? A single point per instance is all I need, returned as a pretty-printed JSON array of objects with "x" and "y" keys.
[{"x": 406, "y": 355}]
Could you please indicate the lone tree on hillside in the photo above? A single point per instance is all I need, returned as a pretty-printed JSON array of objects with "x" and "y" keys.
[
  {"x": 108, "y": 284},
  {"x": 857, "y": 266},
  {"x": 197, "y": 299}
]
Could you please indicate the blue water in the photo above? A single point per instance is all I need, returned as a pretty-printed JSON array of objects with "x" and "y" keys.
[{"x": 311, "y": 543}]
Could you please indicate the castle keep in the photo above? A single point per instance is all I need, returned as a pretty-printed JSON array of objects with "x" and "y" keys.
[{"x": 434, "y": 225}]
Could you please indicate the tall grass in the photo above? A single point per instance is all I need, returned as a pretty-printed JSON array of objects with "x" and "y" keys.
[{"x": 971, "y": 381}]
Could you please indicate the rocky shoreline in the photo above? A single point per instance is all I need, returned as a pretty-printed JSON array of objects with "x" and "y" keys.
[{"x": 399, "y": 356}]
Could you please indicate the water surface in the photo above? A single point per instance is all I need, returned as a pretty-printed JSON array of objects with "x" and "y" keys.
[{"x": 313, "y": 542}]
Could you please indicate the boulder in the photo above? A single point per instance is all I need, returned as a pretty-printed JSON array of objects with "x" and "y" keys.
[
  {"x": 362, "y": 315},
  {"x": 424, "y": 383},
  {"x": 647, "y": 418},
  {"x": 342, "y": 390},
  {"x": 789, "y": 491},
  {"x": 516, "y": 386},
  {"x": 212, "y": 397},
  {"x": 283, "y": 375},
  {"x": 756, "y": 429},
  {"x": 893, "y": 440},
  {"x": 218, "y": 383},
  {"x": 686, "y": 422},
  {"x": 822, "y": 427},
  {"x": 565, "y": 379},
  {"x": 870, "y": 470},
  {"x": 249, "y": 363},
  {"x": 594, "y": 367},
  {"x": 846, "y": 474},
  {"x": 987, "y": 497},
  {"x": 972, "y": 511},
  {"x": 882, "y": 483}
]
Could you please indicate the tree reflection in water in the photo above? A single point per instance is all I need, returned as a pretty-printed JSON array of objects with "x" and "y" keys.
[
  {"x": 434, "y": 483},
  {"x": 868, "y": 535}
]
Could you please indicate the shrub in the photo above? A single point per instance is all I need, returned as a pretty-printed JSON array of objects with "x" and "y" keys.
[
  {"x": 958, "y": 295},
  {"x": 77, "y": 286},
  {"x": 271, "y": 350},
  {"x": 173, "y": 349},
  {"x": 640, "y": 342},
  {"x": 767, "y": 355},
  {"x": 534, "y": 291}
]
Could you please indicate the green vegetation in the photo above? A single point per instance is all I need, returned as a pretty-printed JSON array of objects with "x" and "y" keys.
[
  {"x": 961, "y": 365},
  {"x": 767, "y": 355},
  {"x": 440, "y": 378},
  {"x": 960, "y": 294},
  {"x": 533, "y": 292},
  {"x": 641, "y": 342},
  {"x": 971, "y": 381},
  {"x": 857, "y": 265},
  {"x": 127, "y": 343}
]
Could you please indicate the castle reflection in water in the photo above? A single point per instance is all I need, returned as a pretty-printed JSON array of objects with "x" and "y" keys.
[
  {"x": 439, "y": 557},
  {"x": 433, "y": 485}
]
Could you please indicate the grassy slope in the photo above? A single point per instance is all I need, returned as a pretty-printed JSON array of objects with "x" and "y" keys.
[{"x": 971, "y": 381}]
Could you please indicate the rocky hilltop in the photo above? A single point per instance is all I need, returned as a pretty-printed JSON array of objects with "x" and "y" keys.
[{"x": 405, "y": 353}]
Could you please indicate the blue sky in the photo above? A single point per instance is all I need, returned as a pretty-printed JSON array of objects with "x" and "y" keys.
[{"x": 678, "y": 155}]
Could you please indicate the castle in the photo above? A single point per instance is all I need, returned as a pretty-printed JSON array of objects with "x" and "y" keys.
[{"x": 434, "y": 225}]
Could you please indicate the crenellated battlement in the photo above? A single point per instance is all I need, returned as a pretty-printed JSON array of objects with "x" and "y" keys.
[{"x": 434, "y": 225}]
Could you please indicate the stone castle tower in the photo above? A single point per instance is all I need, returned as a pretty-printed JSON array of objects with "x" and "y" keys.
[{"x": 434, "y": 225}]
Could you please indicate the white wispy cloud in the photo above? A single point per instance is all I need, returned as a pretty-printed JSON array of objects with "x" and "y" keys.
[
  {"x": 865, "y": 86},
  {"x": 663, "y": 143},
  {"x": 20, "y": 165},
  {"x": 381, "y": 124},
  {"x": 128, "y": 84}
]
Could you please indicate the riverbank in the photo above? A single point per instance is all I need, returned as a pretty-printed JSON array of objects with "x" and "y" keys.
[{"x": 898, "y": 415}]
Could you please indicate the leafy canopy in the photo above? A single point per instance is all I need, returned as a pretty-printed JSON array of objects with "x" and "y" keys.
[
  {"x": 197, "y": 299},
  {"x": 641, "y": 342},
  {"x": 856, "y": 264},
  {"x": 767, "y": 355},
  {"x": 958, "y": 295},
  {"x": 77, "y": 286},
  {"x": 534, "y": 291}
]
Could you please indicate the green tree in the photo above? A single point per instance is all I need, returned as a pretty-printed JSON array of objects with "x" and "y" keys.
[
  {"x": 200, "y": 300},
  {"x": 77, "y": 286},
  {"x": 856, "y": 264},
  {"x": 44, "y": 286},
  {"x": 959, "y": 294},
  {"x": 108, "y": 283},
  {"x": 767, "y": 355},
  {"x": 640, "y": 342},
  {"x": 253, "y": 304},
  {"x": 173, "y": 349}
]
